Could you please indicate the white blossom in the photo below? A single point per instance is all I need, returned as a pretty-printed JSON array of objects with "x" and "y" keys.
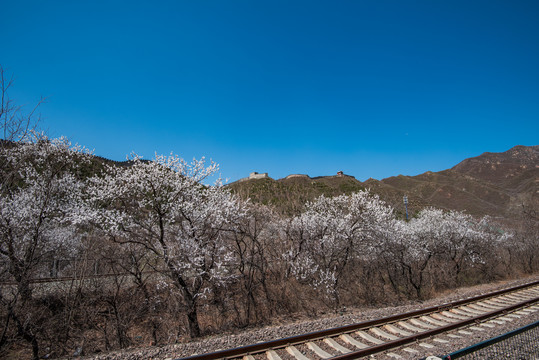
[
  {"x": 331, "y": 233},
  {"x": 41, "y": 203},
  {"x": 163, "y": 207}
]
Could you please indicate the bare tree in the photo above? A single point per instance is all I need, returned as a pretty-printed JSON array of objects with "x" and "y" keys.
[
  {"x": 16, "y": 124},
  {"x": 251, "y": 248},
  {"x": 528, "y": 237}
]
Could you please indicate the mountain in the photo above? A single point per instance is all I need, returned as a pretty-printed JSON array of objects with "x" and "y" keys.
[
  {"x": 509, "y": 169},
  {"x": 495, "y": 184}
]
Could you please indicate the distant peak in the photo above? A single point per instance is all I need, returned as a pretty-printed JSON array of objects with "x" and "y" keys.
[{"x": 498, "y": 167}]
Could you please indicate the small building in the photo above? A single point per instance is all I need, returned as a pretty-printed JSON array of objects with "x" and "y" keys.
[
  {"x": 254, "y": 175},
  {"x": 340, "y": 173}
]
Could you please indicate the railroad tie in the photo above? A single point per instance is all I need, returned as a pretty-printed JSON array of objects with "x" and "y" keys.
[
  {"x": 514, "y": 316},
  {"x": 433, "y": 321},
  {"x": 396, "y": 330},
  {"x": 487, "y": 325},
  {"x": 523, "y": 294},
  {"x": 350, "y": 340},
  {"x": 461, "y": 312},
  {"x": 521, "y": 297},
  {"x": 524, "y": 312},
  {"x": 370, "y": 338},
  {"x": 479, "y": 308},
  {"x": 292, "y": 350},
  {"x": 451, "y": 315},
  {"x": 337, "y": 346},
  {"x": 499, "y": 302},
  {"x": 512, "y": 299},
  {"x": 488, "y": 306},
  {"x": 441, "y": 341},
  {"x": 476, "y": 328},
  {"x": 471, "y": 310},
  {"x": 505, "y": 300},
  {"x": 272, "y": 355},
  {"x": 379, "y": 332},
  {"x": 422, "y": 324},
  {"x": 318, "y": 351},
  {"x": 410, "y": 327},
  {"x": 496, "y": 304},
  {"x": 443, "y": 318}
]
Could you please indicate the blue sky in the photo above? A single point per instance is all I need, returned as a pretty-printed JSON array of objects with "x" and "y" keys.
[{"x": 374, "y": 88}]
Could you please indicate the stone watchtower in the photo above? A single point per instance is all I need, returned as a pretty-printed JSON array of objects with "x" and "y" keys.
[{"x": 255, "y": 175}]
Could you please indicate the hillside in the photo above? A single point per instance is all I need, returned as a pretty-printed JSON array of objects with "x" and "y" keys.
[
  {"x": 495, "y": 184},
  {"x": 288, "y": 195}
]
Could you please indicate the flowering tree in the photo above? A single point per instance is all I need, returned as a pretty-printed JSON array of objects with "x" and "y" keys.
[
  {"x": 41, "y": 203},
  {"x": 433, "y": 249},
  {"x": 163, "y": 207},
  {"x": 331, "y": 233}
]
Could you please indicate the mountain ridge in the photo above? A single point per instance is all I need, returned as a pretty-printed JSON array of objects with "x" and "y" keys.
[{"x": 495, "y": 184}]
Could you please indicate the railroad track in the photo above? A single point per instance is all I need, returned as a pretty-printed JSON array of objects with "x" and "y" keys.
[
  {"x": 402, "y": 332},
  {"x": 60, "y": 279}
]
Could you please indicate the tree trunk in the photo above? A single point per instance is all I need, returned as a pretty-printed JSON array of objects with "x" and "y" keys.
[
  {"x": 192, "y": 314},
  {"x": 192, "y": 319}
]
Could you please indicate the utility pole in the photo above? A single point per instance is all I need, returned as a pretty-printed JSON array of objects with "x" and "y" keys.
[{"x": 405, "y": 199}]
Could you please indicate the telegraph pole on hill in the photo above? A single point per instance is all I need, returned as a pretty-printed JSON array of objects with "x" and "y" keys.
[{"x": 405, "y": 199}]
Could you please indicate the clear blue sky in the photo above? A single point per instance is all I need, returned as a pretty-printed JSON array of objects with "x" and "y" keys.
[{"x": 374, "y": 88}]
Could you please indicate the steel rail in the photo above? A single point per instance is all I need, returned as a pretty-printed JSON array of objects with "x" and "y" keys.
[
  {"x": 429, "y": 333},
  {"x": 74, "y": 278},
  {"x": 302, "y": 338}
]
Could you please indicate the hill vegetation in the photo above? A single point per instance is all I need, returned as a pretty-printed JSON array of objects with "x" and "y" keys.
[{"x": 289, "y": 195}]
